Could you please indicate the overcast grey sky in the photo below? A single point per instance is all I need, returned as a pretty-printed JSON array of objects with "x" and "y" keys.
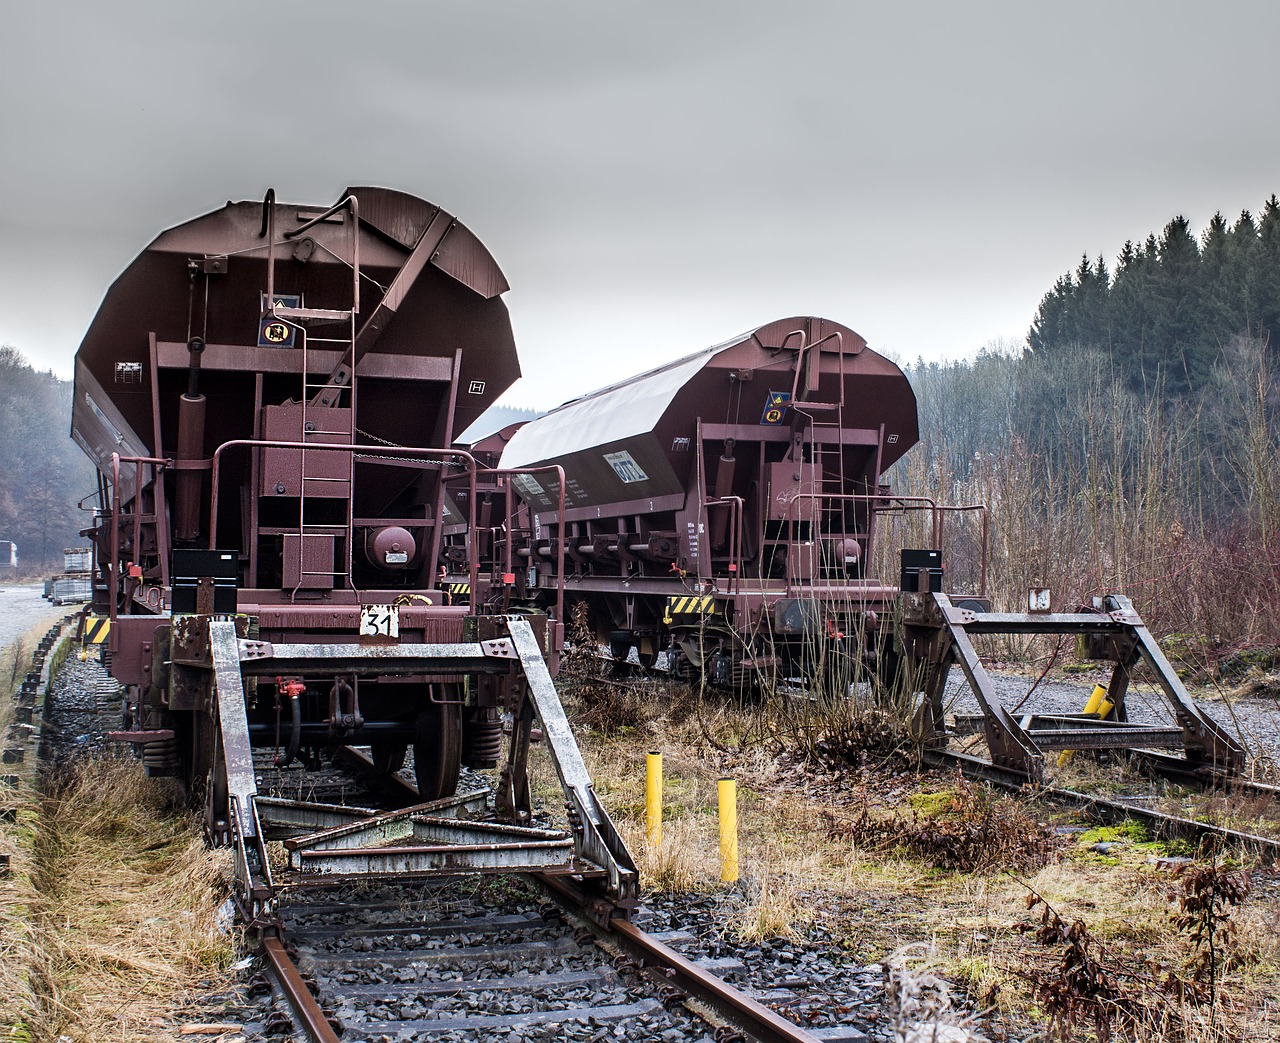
[{"x": 652, "y": 177}]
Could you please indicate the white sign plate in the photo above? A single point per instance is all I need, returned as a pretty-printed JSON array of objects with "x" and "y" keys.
[
  {"x": 379, "y": 621},
  {"x": 625, "y": 466}
]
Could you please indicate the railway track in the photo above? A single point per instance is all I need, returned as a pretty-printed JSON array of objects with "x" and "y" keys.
[
  {"x": 1113, "y": 809},
  {"x": 460, "y": 959},
  {"x": 486, "y": 961},
  {"x": 509, "y": 958}
]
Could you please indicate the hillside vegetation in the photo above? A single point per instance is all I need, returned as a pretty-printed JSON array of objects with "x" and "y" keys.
[
  {"x": 43, "y": 474},
  {"x": 1133, "y": 443}
]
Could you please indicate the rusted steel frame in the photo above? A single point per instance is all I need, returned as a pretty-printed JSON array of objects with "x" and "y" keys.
[
  {"x": 387, "y": 826},
  {"x": 310, "y": 1016},
  {"x": 157, "y": 447},
  {"x": 1212, "y": 739},
  {"x": 597, "y": 838},
  {"x": 451, "y": 411},
  {"x": 246, "y": 358},
  {"x": 352, "y": 205},
  {"x": 509, "y": 472},
  {"x": 277, "y": 813},
  {"x": 404, "y": 452},
  {"x": 745, "y": 1013},
  {"x": 1009, "y": 744},
  {"x": 440, "y": 225},
  {"x": 233, "y": 721},
  {"x": 138, "y": 463},
  {"x": 946, "y": 509},
  {"x": 736, "y": 506},
  {"x": 805, "y": 358},
  {"x": 804, "y": 353},
  {"x": 1049, "y": 623},
  {"x": 444, "y": 859},
  {"x": 433, "y": 659},
  {"x": 906, "y": 503}
]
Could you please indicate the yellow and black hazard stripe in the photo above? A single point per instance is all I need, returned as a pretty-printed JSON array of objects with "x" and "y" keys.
[
  {"x": 456, "y": 593},
  {"x": 689, "y": 605},
  {"x": 96, "y": 629}
]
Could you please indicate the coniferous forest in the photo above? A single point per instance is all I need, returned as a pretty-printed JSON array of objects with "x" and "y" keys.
[
  {"x": 43, "y": 474},
  {"x": 1132, "y": 443}
]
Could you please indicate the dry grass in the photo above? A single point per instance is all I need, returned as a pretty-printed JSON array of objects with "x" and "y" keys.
[
  {"x": 115, "y": 898},
  {"x": 877, "y": 890}
]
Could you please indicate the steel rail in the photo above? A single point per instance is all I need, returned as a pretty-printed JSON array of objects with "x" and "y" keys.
[
  {"x": 731, "y": 1004},
  {"x": 312, "y": 1019},
  {"x": 669, "y": 967},
  {"x": 1108, "y": 809}
]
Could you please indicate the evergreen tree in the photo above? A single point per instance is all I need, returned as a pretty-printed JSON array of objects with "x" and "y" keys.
[
  {"x": 1242, "y": 260},
  {"x": 1175, "y": 297},
  {"x": 1221, "y": 303},
  {"x": 1267, "y": 265}
]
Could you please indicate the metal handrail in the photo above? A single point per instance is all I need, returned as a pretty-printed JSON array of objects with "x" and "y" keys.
[
  {"x": 510, "y": 472},
  {"x": 355, "y": 452},
  {"x": 139, "y": 462},
  {"x": 737, "y": 506},
  {"x": 909, "y": 503}
]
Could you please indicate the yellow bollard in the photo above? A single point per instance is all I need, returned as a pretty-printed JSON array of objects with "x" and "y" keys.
[
  {"x": 653, "y": 799},
  {"x": 1098, "y": 706},
  {"x": 728, "y": 791},
  {"x": 1095, "y": 699}
]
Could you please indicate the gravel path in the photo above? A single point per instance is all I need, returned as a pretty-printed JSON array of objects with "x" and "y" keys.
[{"x": 22, "y": 606}]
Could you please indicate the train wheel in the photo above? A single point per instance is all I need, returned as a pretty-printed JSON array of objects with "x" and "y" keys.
[
  {"x": 437, "y": 750},
  {"x": 388, "y": 757},
  {"x": 685, "y": 669},
  {"x": 620, "y": 645},
  {"x": 890, "y": 670}
]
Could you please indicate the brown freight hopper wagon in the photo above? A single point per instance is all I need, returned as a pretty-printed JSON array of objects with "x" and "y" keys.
[
  {"x": 269, "y": 392},
  {"x": 723, "y": 505},
  {"x": 727, "y": 508}
]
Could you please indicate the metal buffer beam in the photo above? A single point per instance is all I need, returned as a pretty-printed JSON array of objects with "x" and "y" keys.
[
  {"x": 434, "y": 839},
  {"x": 937, "y": 635},
  {"x": 455, "y": 834}
]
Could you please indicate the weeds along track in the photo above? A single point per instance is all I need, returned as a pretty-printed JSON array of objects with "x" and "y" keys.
[
  {"x": 1201, "y": 808},
  {"x": 491, "y": 958},
  {"x": 1147, "y": 785},
  {"x": 518, "y": 957}
]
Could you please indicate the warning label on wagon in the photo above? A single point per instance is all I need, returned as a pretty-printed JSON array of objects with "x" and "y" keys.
[{"x": 625, "y": 467}]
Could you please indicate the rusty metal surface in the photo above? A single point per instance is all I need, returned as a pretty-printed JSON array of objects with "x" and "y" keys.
[
  {"x": 597, "y": 838},
  {"x": 388, "y": 827},
  {"x": 280, "y": 817},
  {"x": 432, "y": 839},
  {"x": 647, "y": 415},
  {"x": 454, "y": 298},
  {"x": 262, "y": 658},
  {"x": 310, "y": 1016},
  {"x": 938, "y": 636},
  {"x": 664, "y": 963}
]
